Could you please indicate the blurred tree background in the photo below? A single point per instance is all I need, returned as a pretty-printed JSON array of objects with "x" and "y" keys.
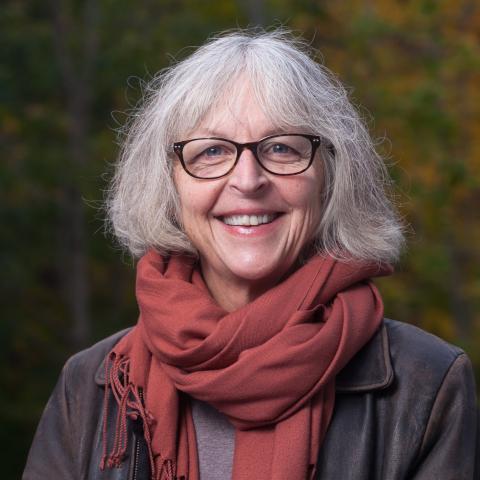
[{"x": 71, "y": 70}]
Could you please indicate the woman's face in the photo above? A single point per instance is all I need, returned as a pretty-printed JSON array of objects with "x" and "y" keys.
[{"x": 213, "y": 210}]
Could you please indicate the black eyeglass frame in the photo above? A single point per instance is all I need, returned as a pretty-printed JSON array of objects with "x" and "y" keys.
[{"x": 315, "y": 141}]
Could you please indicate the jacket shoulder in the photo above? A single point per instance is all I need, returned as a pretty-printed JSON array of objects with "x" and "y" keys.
[
  {"x": 397, "y": 352},
  {"x": 85, "y": 363},
  {"x": 412, "y": 346},
  {"x": 422, "y": 362},
  {"x": 67, "y": 440},
  {"x": 407, "y": 410}
]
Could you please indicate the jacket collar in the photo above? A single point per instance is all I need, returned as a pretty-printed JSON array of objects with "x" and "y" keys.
[
  {"x": 100, "y": 373},
  {"x": 370, "y": 369}
]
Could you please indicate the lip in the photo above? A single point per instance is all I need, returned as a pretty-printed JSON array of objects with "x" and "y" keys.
[
  {"x": 248, "y": 211},
  {"x": 251, "y": 231}
]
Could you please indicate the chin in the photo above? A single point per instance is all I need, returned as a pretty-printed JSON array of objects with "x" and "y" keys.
[{"x": 257, "y": 271}]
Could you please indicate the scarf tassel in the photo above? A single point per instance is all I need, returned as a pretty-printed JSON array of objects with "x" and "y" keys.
[{"x": 129, "y": 398}]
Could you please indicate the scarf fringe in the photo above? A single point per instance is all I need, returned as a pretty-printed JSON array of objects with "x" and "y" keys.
[{"x": 130, "y": 405}]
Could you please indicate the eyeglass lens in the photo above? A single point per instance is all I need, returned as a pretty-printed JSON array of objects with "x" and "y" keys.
[{"x": 284, "y": 154}]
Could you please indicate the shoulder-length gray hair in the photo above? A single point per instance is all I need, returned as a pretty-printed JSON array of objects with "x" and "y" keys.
[{"x": 293, "y": 90}]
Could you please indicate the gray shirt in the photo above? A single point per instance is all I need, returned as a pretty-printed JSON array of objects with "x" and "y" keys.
[{"x": 215, "y": 441}]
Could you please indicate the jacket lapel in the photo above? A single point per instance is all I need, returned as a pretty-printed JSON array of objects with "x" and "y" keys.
[{"x": 370, "y": 369}]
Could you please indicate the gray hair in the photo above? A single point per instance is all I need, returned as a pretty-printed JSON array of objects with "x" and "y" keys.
[{"x": 358, "y": 220}]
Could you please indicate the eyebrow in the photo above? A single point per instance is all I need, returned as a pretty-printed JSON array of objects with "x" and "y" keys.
[{"x": 217, "y": 133}]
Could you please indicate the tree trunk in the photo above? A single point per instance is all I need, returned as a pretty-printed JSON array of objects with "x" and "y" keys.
[{"x": 77, "y": 84}]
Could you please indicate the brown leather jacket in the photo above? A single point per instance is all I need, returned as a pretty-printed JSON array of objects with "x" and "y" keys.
[{"x": 405, "y": 409}]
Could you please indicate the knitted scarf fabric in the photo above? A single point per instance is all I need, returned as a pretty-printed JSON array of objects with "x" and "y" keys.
[{"x": 269, "y": 366}]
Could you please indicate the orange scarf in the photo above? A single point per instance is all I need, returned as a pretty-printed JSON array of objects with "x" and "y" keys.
[{"x": 269, "y": 366}]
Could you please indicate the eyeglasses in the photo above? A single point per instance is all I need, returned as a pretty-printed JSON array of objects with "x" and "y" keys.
[{"x": 209, "y": 158}]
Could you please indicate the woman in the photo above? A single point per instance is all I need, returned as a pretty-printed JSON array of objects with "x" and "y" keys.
[{"x": 251, "y": 191}]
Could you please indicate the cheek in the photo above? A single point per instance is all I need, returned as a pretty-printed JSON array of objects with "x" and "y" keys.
[
  {"x": 304, "y": 192},
  {"x": 186, "y": 198},
  {"x": 196, "y": 202},
  {"x": 314, "y": 191},
  {"x": 191, "y": 208},
  {"x": 305, "y": 196}
]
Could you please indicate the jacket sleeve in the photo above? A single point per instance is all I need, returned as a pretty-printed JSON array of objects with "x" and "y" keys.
[
  {"x": 448, "y": 448},
  {"x": 52, "y": 455}
]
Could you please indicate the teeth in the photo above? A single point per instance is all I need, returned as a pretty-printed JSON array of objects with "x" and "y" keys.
[{"x": 248, "y": 220}]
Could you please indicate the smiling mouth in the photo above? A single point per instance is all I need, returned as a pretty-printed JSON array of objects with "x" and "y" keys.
[{"x": 248, "y": 220}]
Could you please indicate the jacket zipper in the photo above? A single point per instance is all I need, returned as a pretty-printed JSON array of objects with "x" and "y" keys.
[
  {"x": 137, "y": 446},
  {"x": 135, "y": 460}
]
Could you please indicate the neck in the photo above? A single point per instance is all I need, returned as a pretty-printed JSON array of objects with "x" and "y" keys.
[{"x": 230, "y": 292}]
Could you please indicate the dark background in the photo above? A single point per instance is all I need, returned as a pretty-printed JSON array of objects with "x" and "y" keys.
[{"x": 71, "y": 70}]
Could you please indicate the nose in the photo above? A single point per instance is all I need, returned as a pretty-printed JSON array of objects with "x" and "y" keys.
[{"x": 248, "y": 176}]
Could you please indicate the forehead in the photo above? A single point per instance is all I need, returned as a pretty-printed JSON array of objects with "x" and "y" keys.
[{"x": 239, "y": 114}]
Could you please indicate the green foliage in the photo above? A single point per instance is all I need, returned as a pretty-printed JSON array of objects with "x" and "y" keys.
[{"x": 414, "y": 65}]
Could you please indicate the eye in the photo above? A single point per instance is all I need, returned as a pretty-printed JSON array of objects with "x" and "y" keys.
[
  {"x": 280, "y": 148},
  {"x": 214, "y": 151}
]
